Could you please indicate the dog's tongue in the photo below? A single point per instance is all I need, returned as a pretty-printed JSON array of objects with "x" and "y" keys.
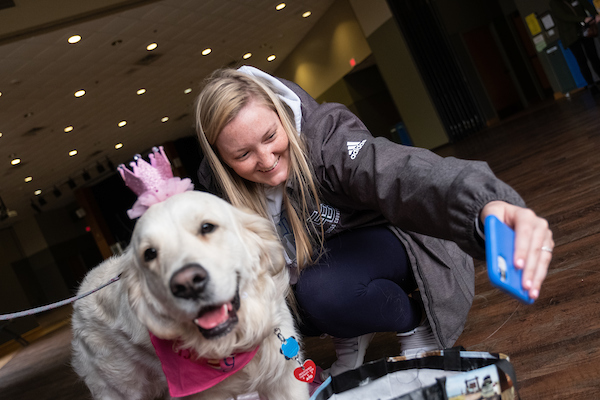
[{"x": 215, "y": 317}]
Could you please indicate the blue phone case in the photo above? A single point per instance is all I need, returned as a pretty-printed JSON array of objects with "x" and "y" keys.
[{"x": 499, "y": 249}]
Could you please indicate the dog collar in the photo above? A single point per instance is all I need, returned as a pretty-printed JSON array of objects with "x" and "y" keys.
[{"x": 187, "y": 374}]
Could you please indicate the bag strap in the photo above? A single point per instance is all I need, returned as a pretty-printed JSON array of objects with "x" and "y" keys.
[
  {"x": 452, "y": 361},
  {"x": 506, "y": 367}
]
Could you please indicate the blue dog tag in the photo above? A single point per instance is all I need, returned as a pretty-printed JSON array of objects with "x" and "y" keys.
[{"x": 290, "y": 348}]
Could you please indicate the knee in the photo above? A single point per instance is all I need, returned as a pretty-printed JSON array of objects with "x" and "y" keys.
[{"x": 321, "y": 299}]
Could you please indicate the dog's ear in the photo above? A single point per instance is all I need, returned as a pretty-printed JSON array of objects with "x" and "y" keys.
[{"x": 260, "y": 233}]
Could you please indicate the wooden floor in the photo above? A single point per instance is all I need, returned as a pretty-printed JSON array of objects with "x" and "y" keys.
[{"x": 551, "y": 155}]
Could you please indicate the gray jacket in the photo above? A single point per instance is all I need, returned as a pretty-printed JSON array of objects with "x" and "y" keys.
[{"x": 430, "y": 202}]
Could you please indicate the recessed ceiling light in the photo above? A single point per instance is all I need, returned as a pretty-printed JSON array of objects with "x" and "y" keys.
[
  {"x": 0, "y": 134},
  {"x": 28, "y": 179},
  {"x": 151, "y": 46},
  {"x": 188, "y": 90},
  {"x": 122, "y": 124},
  {"x": 141, "y": 91},
  {"x": 206, "y": 52},
  {"x": 15, "y": 161},
  {"x": 74, "y": 39},
  {"x": 271, "y": 57},
  {"x": 79, "y": 93},
  {"x": 72, "y": 153},
  {"x": 280, "y": 6},
  {"x": 306, "y": 14},
  {"x": 118, "y": 146},
  {"x": 247, "y": 56},
  {"x": 68, "y": 128},
  {"x": 37, "y": 192},
  {"x": 0, "y": 93},
  {"x": 164, "y": 119}
]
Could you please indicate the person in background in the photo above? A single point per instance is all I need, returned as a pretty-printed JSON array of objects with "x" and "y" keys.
[
  {"x": 576, "y": 22},
  {"x": 378, "y": 236}
]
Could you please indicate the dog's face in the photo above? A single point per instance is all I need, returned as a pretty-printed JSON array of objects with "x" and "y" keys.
[{"x": 195, "y": 256}]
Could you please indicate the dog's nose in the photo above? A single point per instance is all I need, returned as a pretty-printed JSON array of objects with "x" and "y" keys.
[{"x": 189, "y": 281}]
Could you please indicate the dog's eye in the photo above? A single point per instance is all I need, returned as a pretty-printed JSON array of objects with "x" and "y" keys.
[
  {"x": 150, "y": 254},
  {"x": 207, "y": 228}
]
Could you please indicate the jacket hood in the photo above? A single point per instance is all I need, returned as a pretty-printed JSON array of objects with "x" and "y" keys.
[{"x": 285, "y": 94}]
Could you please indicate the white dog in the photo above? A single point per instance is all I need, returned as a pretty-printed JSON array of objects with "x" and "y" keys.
[{"x": 204, "y": 275}]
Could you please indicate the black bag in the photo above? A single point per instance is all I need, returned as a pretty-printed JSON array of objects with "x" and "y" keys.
[{"x": 437, "y": 375}]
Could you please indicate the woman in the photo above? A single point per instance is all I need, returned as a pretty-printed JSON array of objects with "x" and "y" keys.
[
  {"x": 572, "y": 17},
  {"x": 364, "y": 222}
]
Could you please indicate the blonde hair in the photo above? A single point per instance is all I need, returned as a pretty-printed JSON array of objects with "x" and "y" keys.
[{"x": 225, "y": 93}]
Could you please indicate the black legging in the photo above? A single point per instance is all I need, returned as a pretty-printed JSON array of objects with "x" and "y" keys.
[
  {"x": 584, "y": 49},
  {"x": 359, "y": 286}
]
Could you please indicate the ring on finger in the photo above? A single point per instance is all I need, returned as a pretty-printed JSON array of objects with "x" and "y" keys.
[{"x": 546, "y": 248}]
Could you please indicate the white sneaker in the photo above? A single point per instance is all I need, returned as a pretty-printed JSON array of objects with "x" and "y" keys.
[
  {"x": 350, "y": 354},
  {"x": 419, "y": 340}
]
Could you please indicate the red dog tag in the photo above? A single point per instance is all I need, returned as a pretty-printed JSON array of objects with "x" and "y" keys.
[{"x": 306, "y": 373}]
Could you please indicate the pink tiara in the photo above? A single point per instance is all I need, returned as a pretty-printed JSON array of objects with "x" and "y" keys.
[{"x": 152, "y": 182}]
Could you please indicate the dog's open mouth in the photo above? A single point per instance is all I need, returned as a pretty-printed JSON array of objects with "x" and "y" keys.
[{"x": 219, "y": 320}]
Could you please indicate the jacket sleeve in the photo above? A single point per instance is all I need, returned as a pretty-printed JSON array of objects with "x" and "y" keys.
[{"x": 415, "y": 189}]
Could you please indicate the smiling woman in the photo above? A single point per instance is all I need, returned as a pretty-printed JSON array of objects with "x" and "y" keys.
[
  {"x": 348, "y": 216},
  {"x": 255, "y": 145},
  {"x": 272, "y": 145}
]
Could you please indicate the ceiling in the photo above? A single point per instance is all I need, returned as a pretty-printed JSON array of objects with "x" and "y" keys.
[{"x": 40, "y": 73}]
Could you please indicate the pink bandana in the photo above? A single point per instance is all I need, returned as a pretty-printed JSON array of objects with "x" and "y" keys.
[{"x": 187, "y": 376}]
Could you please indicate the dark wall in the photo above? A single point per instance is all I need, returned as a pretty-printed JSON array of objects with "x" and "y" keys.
[
  {"x": 59, "y": 268},
  {"x": 465, "y": 15},
  {"x": 45, "y": 277},
  {"x": 188, "y": 150},
  {"x": 12, "y": 297},
  {"x": 114, "y": 199},
  {"x": 365, "y": 93},
  {"x": 513, "y": 81},
  {"x": 372, "y": 101}
]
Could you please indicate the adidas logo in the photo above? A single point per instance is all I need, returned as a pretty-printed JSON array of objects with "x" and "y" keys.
[{"x": 354, "y": 148}]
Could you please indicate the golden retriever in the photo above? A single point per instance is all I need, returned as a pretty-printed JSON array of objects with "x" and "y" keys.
[{"x": 199, "y": 272}]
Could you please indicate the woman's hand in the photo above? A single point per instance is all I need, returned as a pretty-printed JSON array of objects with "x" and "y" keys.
[{"x": 533, "y": 242}]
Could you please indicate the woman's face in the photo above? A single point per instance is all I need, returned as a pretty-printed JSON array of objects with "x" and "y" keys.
[{"x": 255, "y": 145}]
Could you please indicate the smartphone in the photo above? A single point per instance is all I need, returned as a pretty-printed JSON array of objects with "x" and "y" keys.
[{"x": 499, "y": 251}]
